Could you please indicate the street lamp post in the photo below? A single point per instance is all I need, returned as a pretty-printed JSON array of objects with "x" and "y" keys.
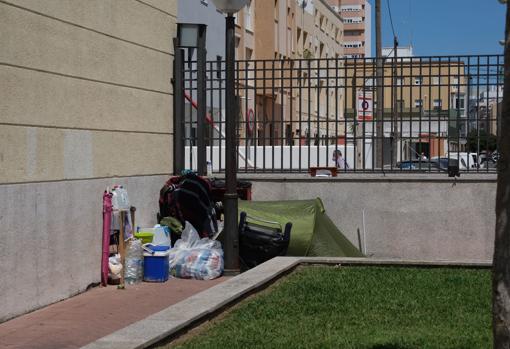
[{"x": 231, "y": 242}]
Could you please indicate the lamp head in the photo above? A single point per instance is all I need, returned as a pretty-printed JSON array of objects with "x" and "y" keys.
[
  {"x": 189, "y": 33},
  {"x": 229, "y": 6}
]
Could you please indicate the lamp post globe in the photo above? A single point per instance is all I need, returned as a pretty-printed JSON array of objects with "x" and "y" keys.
[{"x": 229, "y": 6}]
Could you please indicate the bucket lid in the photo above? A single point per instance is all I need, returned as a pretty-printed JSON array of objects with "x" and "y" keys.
[
  {"x": 157, "y": 254},
  {"x": 157, "y": 248}
]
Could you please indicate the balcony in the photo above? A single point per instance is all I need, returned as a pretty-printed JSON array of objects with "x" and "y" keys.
[
  {"x": 354, "y": 38},
  {"x": 354, "y": 50},
  {"x": 354, "y": 26},
  {"x": 347, "y": 14}
]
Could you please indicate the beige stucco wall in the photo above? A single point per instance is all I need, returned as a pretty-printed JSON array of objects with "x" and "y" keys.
[
  {"x": 84, "y": 79},
  {"x": 446, "y": 73},
  {"x": 85, "y": 98}
]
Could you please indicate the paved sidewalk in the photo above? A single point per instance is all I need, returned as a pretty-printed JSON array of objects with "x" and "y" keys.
[{"x": 82, "y": 319}]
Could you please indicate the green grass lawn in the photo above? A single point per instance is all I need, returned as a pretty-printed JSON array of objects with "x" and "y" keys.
[{"x": 360, "y": 307}]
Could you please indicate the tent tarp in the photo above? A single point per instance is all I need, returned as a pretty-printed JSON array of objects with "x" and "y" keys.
[{"x": 313, "y": 233}]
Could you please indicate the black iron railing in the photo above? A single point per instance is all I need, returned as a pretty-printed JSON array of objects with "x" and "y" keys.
[{"x": 296, "y": 114}]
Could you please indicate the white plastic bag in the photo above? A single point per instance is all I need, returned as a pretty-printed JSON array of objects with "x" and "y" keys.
[
  {"x": 114, "y": 265},
  {"x": 195, "y": 258},
  {"x": 161, "y": 235}
]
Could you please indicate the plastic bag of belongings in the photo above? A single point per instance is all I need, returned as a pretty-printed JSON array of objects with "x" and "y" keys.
[{"x": 193, "y": 257}]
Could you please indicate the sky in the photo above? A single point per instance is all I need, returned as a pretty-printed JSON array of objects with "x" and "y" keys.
[{"x": 443, "y": 27}]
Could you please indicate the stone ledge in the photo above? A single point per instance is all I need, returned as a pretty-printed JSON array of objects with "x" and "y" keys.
[{"x": 368, "y": 177}]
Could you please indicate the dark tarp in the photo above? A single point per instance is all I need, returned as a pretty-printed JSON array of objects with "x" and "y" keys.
[{"x": 313, "y": 233}]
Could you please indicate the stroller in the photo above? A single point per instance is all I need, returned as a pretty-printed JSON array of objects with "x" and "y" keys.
[{"x": 260, "y": 240}]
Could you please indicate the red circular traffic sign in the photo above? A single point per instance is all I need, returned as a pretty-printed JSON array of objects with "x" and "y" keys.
[{"x": 250, "y": 120}]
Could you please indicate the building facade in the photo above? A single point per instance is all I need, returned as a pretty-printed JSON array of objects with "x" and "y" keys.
[
  {"x": 357, "y": 17},
  {"x": 485, "y": 109},
  {"x": 86, "y": 103},
  {"x": 283, "y": 31},
  {"x": 425, "y": 102}
]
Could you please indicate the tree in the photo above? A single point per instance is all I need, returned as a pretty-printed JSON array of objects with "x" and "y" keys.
[
  {"x": 487, "y": 141},
  {"x": 501, "y": 260}
]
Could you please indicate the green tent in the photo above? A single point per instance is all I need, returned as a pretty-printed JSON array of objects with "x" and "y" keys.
[{"x": 313, "y": 233}]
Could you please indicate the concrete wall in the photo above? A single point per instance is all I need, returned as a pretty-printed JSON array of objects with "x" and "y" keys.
[
  {"x": 411, "y": 217},
  {"x": 85, "y": 102}
]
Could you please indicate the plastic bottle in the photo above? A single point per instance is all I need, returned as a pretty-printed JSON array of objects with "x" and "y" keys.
[
  {"x": 120, "y": 200},
  {"x": 209, "y": 169},
  {"x": 134, "y": 262}
]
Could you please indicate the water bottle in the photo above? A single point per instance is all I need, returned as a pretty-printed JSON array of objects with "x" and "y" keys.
[
  {"x": 209, "y": 169},
  {"x": 133, "y": 272}
]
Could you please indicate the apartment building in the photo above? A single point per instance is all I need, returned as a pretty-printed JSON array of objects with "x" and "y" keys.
[
  {"x": 424, "y": 101},
  {"x": 270, "y": 37},
  {"x": 357, "y": 18},
  {"x": 485, "y": 109},
  {"x": 282, "y": 30}
]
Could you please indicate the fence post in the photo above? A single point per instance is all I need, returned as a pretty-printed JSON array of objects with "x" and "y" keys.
[
  {"x": 178, "y": 108},
  {"x": 201, "y": 101}
]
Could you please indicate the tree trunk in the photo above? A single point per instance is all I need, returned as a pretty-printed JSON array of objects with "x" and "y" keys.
[{"x": 501, "y": 264}]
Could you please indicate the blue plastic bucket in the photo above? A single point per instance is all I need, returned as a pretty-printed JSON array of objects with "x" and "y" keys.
[{"x": 155, "y": 266}]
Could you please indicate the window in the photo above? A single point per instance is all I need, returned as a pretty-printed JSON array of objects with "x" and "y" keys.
[
  {"x": 400, "y": 81},
  {"x": 418, "y": 80},
  {"x": 353, "y": 33},
  {"x": 459, "y": 102},
  {"x": 436, "y": 80},
  {"x": 350, "y": 44},
  {"x": 455, "y": 81},
  {"x": 350, "y": 8},
  {"x": 438, "y": 104},
  {"x": 353, "y": 20},
  {"x": 290, "y": 39},
  {"x": 248, "y": 12},
  {"x": 418, "y": 103}
]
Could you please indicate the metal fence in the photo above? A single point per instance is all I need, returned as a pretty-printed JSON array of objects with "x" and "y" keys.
[{"x": 429, "y": 113}]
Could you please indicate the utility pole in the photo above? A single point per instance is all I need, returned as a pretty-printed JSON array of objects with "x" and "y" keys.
[{"x": 379, "y": 88}]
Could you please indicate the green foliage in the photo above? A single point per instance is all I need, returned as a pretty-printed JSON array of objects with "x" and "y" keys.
[
  {"x": 487, "y": 141},
  {"x": 307, "y": 54},
  {"x": 361, "y": 307}
]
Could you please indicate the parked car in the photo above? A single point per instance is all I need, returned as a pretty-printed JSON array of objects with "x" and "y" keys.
[
  {"x": 418, "y": 165},
  {"x": 442, "y": 163},
  {"x": 489, "y": 161},
  {"x": 495, "y": 156}
]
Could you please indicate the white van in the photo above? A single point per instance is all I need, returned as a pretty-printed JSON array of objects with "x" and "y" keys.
[{"x": 466, "y": 160}]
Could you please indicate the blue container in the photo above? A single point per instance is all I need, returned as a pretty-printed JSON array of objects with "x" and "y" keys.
[{"x": 155, "y": 266}]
